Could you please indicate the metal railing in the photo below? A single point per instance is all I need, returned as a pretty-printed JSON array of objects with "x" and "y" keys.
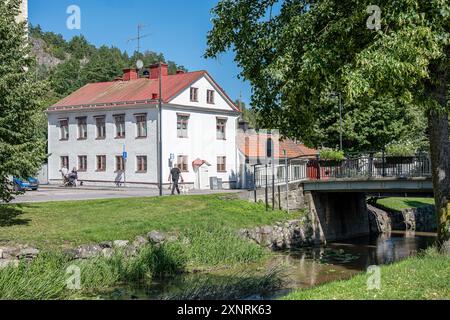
[{"x": 361, "y": 167}]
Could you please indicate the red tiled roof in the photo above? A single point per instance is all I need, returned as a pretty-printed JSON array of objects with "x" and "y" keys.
[
  {"x": 125, "y": 92},
  {"x": 253, "y": 145}
]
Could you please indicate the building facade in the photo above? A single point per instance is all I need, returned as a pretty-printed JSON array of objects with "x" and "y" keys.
[
  {"x": 23, "y": 16},
  {"x": 108, "y": 131}
]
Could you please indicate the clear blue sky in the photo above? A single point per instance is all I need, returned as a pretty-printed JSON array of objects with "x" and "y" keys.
[{"x": 178, "y": 29}]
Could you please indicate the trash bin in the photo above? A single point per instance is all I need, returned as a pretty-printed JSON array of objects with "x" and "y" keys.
[
  {"x": 219, "y": 184},
  {"x": 213, "y": 183}
]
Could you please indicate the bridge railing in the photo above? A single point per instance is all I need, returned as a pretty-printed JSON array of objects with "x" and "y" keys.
[
  {"x": 373, "y": 167},
  {"x": 361, "y": 167},
  {"x": 297, "y": 170}
]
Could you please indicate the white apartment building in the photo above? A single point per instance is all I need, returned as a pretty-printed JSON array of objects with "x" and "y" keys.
[{"x": 92, "y": 128}]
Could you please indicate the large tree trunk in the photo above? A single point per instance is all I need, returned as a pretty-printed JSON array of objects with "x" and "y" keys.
[{"x": 440, "y": 166}]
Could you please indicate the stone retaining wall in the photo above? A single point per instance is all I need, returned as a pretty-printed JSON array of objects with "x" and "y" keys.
[{"x": 422, "y": 219}]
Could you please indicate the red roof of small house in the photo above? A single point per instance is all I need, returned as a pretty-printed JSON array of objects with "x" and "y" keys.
[
  {"x": 253, "y": 145},
  {"x": 199, "y": 162},
  {"x": 137, "y": 91}
]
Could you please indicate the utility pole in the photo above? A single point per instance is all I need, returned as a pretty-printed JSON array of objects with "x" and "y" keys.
[{"x": 159, "y": 124}]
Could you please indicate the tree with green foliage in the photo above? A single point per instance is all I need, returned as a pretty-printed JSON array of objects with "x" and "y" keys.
[
  {"x": 295, "y": 53},
  {"x": 66, "y": 77},
  {"x": 22, "y": 149},
  {"x": 104, "y": 65}
]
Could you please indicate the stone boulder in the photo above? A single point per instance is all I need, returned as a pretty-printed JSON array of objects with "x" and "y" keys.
[
  {"x": 156, "y": 237},
  {"x": 88, "y": 251},
  {"x": 28, "y": 253},
  {"x": 140, "y": 242},
  {"x": 120, "y": 243}
]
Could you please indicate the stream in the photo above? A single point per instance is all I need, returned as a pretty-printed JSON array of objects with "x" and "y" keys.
[{"x": 302, "y": 268}]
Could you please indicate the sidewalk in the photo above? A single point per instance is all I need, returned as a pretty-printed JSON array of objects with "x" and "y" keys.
[{"x": 50, "y": 193}]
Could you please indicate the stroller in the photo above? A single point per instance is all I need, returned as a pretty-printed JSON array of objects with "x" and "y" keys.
[{"x": 70, "y": 180}]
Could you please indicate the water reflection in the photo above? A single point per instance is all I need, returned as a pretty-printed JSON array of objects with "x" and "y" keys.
[{"x": 304, "y": 268}]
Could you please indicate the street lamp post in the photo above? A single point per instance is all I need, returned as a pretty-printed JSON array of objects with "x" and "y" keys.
[
  {"x": 159, "y": 124},
  {"x": 340, "y": 121}
]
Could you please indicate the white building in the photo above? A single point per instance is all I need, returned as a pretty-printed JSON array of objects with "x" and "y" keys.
[
  {"x": 23, "y": 16},
  {"x": 91, "y": 129}
]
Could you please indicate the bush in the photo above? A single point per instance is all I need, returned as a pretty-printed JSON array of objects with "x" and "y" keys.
[
  {"x": 401, "y": 149},
  {"x": 327, "y": 154}
]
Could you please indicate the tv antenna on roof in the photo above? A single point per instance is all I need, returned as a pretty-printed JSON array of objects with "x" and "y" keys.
[{"x": 140, "y": 27}]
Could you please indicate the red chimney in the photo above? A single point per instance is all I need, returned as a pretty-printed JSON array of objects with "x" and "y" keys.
[
  {"x": 130, "y": 74},
  {"x": 154, "y": 70}
]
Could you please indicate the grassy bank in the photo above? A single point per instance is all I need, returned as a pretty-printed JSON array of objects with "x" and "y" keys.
[
  {"x": 424, "y": 277},
  {"x": 74, "y": 223},
  {"x": 207, "y": 239},
  {"x": 399, "y": 204},
  {"x": 46, "y": 277}
]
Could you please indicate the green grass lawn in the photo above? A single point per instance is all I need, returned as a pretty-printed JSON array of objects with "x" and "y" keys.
[
  {"x": 399, "y": 204},
  {"x": 426, "y": 277},
  {"x": 81, "y": 222}
]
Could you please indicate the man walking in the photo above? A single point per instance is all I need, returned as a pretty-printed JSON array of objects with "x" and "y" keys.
[{"x": 175, "y": 175}]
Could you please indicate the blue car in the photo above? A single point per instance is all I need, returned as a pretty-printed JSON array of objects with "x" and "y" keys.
[{"x": 25, "y": 184}]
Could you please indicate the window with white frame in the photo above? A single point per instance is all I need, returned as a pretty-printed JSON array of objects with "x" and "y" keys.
[
  {"x": 210, "y": 96},
  {"x": 182, "y": 125},
  {"x": 141, "y": 125},
  {"x": 120, "y": 164},
  {"x": 100, "y": 123},
  {"x": 82, "y": 163},
  {"x": 101, "y": 163},
  {"x": 64, "y": 162},
  {"x": 82, "y": 128},
  {"x": 64, "y": 129},
  {"x": 194, "y": 94},
  {"x": 141, "y": 164},
  {"x": 183, "y": 163},
  {"x": 221, "y": 164},
  {"x": 221, "y": 126},
  {"x": 120, "y": 126}
]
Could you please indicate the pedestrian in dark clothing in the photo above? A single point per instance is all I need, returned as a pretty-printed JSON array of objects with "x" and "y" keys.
[{"x": 175, "y": 175}]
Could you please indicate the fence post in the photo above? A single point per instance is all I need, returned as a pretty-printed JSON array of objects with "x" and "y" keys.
[
  {"x": 254, "y": 182},
  {"x": 370, "y": 165},
  {"x": 384, "y": 164},
  {"x": 318, "y": 167},
  {"x": 273, "y": 185},
  {"x": 267, "y": 192}
]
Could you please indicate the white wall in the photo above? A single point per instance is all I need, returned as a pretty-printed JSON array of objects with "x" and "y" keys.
[
  {"x": 109, "y": 147},
  {"x": 203, "y": 84},
  {"x": 201, "y": 143}
]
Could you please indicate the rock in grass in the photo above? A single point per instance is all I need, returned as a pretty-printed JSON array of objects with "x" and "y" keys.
[
  {"x": 120, "y": 243},
  {"x": 28, "y": 253},
  {"x": 156, "y": 237},
  {"x": 9, "y": 252},
  {"x": 6, "y": 263},
  {"x": 140, "y": 241},
  {"x": 106, "y": 244},
  {"x": 88, "y": 251}
]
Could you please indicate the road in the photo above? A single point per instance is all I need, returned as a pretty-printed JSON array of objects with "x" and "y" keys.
[{"x": 55, "y": 193}]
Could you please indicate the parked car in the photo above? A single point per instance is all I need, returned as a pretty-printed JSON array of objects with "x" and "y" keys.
[{"x": 26, "y": 184}]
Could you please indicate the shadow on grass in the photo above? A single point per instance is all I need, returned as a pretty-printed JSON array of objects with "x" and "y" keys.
[
  {"x": 416, "y": 204},
  {"x": 10, "y": 216}
]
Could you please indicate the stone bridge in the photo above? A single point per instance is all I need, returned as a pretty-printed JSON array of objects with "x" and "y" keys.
[{"x": 335, "y": 192}]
